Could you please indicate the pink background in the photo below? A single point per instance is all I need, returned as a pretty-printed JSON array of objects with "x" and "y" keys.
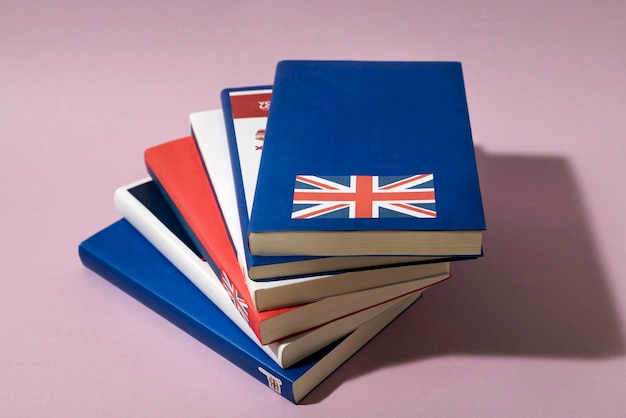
[{"x": 536, "y": 328}]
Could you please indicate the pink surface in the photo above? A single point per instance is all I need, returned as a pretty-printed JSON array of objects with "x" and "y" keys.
[{"x": 536, "y": 328}]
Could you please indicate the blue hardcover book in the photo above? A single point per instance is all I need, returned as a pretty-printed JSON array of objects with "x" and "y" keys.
[
  {"x": 120, "y": 254},
  {"x": 367, "y": 158},
  {"x": 245, "y": 113}
]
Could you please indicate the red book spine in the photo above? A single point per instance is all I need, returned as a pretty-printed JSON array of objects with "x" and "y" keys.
[{"x": 178, "y": 168}]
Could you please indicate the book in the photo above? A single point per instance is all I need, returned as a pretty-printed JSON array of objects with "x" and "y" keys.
[
  {"x": 121, "y": 255},
  {"x": 245, "y": 118},
  {"x": 367, "y": 158},
  {"x": 210, "y": 137},
  {"x": 176, "y": 168},
  {"x": 144, "y": 207}
]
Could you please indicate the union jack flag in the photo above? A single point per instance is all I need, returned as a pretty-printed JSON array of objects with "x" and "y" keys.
[
  {"x": 272, "y": 381},
  {"x": 235, "y": 296},
  {"x": 364, "y": 197}
]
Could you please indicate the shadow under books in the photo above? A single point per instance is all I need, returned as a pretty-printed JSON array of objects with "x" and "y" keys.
[{"x": 540, "y": 289}]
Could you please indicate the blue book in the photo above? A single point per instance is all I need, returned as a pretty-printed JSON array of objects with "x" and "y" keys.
[
  {"x": 245, "y": 113},
  {"x": 120, "y": 254},
  {"x": 367, "y": 158}
]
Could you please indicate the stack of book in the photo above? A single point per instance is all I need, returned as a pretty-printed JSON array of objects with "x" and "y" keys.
[{"x": 285, "y": 239}]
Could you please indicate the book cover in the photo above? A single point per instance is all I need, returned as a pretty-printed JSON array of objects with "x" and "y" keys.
[
  {"x": 120, "y": 254},
  {"x": 245, "y": 118},
  {"x": 177, "y": 170},
  {"x": 364, "y": 157},
  {"x": 209, "y": 133},
  {"x": 144, "y": 207}
]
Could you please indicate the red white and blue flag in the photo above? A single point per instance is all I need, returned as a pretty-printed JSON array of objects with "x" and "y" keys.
[
  {"x": 235, "y": 296},
  {"x": 362, "y": 196}
]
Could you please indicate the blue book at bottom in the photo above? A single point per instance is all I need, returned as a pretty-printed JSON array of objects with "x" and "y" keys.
[{"x": 120, "y": 254}]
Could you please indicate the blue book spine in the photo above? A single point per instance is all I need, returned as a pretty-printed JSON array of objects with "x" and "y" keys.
[
  {"x": 121, "y": 255},
  {"x": 242, "y": 201}
]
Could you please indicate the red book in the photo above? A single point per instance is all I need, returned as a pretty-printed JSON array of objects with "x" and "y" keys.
[{"x": 178, "y": 170}]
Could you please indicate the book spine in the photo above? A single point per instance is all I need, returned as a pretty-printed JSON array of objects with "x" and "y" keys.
[
  {"x": 206, "y": 254},
  {"x": 239, "y": 110},
  {"x": 237, "y": 173},
  {"x": 216, "y": 342}
]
